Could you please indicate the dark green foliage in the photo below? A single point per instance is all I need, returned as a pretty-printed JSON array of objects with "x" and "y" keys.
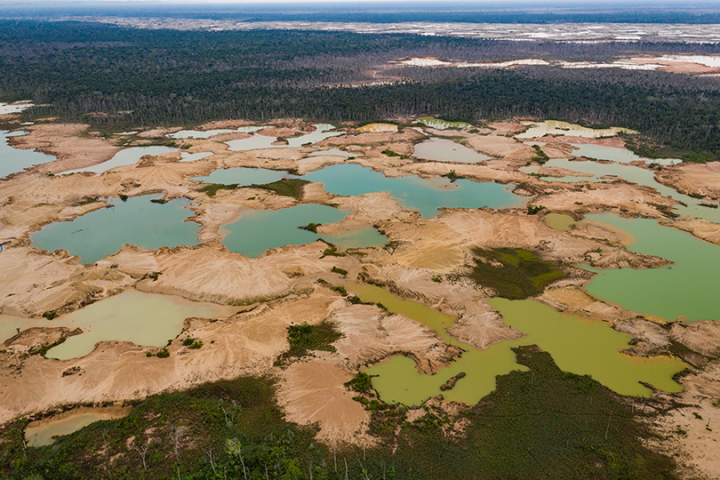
[
  {"x": 437, "y": 278},
  {"x": 311, "y": 227},
  {"x": 522, "y": 274},
  {"x": 212, "y": 188},
  {"x": 51, "y": 315},
  {"x": 540, "y": 156},
  {"x": 339, "y": 270},
  {"x": 332, "y": 250},
  {"x": 188, "y": 341},
  {"x": 123, "y": 197},
  {"x": 340, "y": 289},
  {"x": 452, "y": 175},
  {"x": 287, "y": 187},
  {"x": 196, "y": 345},
  {"x": 161, "y": 201},
  {"x": 304, "y": 338},
  {"x": 390, "y": 153},
  {"x": 534, "y": 209},
  {"x": 163, "y": 353},
  {"x": 360, "y": 383}
]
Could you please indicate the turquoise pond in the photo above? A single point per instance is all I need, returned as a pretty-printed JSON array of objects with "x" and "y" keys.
[
  {"x": 137, "y": 221},
  {"x": 13, "y": 160},
  {"x": 688, "y": 289},
  {"x": 415, "y": 193},
  {"x": 260, "y": 230},
  {"x": 244, "y": 177}
]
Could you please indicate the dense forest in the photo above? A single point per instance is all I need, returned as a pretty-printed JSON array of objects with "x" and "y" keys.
[{"x": 117, "y": 78}]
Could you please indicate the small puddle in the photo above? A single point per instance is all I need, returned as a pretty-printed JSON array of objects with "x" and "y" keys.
[
  {"x": 415, "y": 193},
  {"x": 259, "y": 230},
  {"x": 559, "y": 221},
  {"x": 579, "y": 346},
  {"x": 137, "y": 221},
  {"x": 443, "y": 150},
  {"x": 440, "y": 124},
  {"x": 687, "y": 289},
  {"x": 554, "y": 127},
  {"x": 13, "y": 160},
  {"x": 41, "y": 432},
  {"x": 132, "y": 316}
]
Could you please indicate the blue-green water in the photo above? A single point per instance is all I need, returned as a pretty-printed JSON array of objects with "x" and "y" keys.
[
  {"x": 243, "y": 176},
  {"x": 688, "y": 288},
  {"x": 13, "y": 160},
  {"x": 641, "y": 176},
  {"x": 260, "y": 230},
  {"x": 137, "y": 221},
  {"x": 423, "y": 195}
]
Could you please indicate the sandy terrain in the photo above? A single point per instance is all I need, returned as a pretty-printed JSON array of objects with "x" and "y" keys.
[
  {"x": 693, "y": 178},
  {"x": 281, "y": 287},
  {"x": 313, "y": 392},
  {"x": 66, "y": 143}
]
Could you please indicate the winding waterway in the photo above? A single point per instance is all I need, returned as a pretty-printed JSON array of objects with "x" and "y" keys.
[
  {"x": 577, "y": 345},
  {"x": 13, "y": 160}
]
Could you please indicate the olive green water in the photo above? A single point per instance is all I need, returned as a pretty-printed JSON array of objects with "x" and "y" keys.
[
  {"x": 559, "y": 221},
  {"x": 41, "y": 433},
  {"x": 577, "y": 345},
  {"x": 132, "y": 316},
  {"x": 688, "y": 289}
]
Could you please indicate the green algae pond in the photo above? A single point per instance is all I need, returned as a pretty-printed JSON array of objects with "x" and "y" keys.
[
  {"x": 578, "y": 346},
  {"x": 13, "y": 160},
  {"x": 687, "y": 290},
  {"x": 260, "y": 230},
  {"x": 415, "y": 193},
  {"x": 559, "y": 221},
  {"x": 136, "y": 221},
  {"x": 440, "y": 124}
]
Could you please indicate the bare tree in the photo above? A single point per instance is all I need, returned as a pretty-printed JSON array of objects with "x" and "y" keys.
[
  {"x": 175, "y": 437},
  {"x": 143, "y": 453}
]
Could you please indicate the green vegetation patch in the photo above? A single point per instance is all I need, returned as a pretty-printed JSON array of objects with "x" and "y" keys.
[
  {"x": 513, "y": 272},
  {"x": 304, "y": 338},
  {"x": 287, "y": 187},
  {"x": 212, "y": 188}
]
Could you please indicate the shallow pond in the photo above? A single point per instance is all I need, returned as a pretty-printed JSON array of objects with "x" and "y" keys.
[
  {"x": 128, "y": 156},
  {"x": 443, "y": 150},
  {"x": 137, "y": 221},
  {"x": 13, "y": 160},
  {"x": 260, "y": 230},
  {"x": 641, "y": 176},
  {"x": 577, "y": 345},
  {"x": 559, "y": 221},
  {"x": 243, "y": 176},
  {"x": 688, "y": 289},
  {"x": 133, "y": 316},
  {"x": 619, "y": 155},
  {"x": 441, "y": 124},
  {"x": 322, "y": 131},
  {"x": 554, "y": 127},
  {"x": 424, "y": 195},
  {"x": 41, "y": 432},
  {"x": 332, "y": 152},
  {"x": 211, "y": 133}
]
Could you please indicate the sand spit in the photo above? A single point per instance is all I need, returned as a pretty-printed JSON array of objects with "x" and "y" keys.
[{"x": 66, "y": 142}]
